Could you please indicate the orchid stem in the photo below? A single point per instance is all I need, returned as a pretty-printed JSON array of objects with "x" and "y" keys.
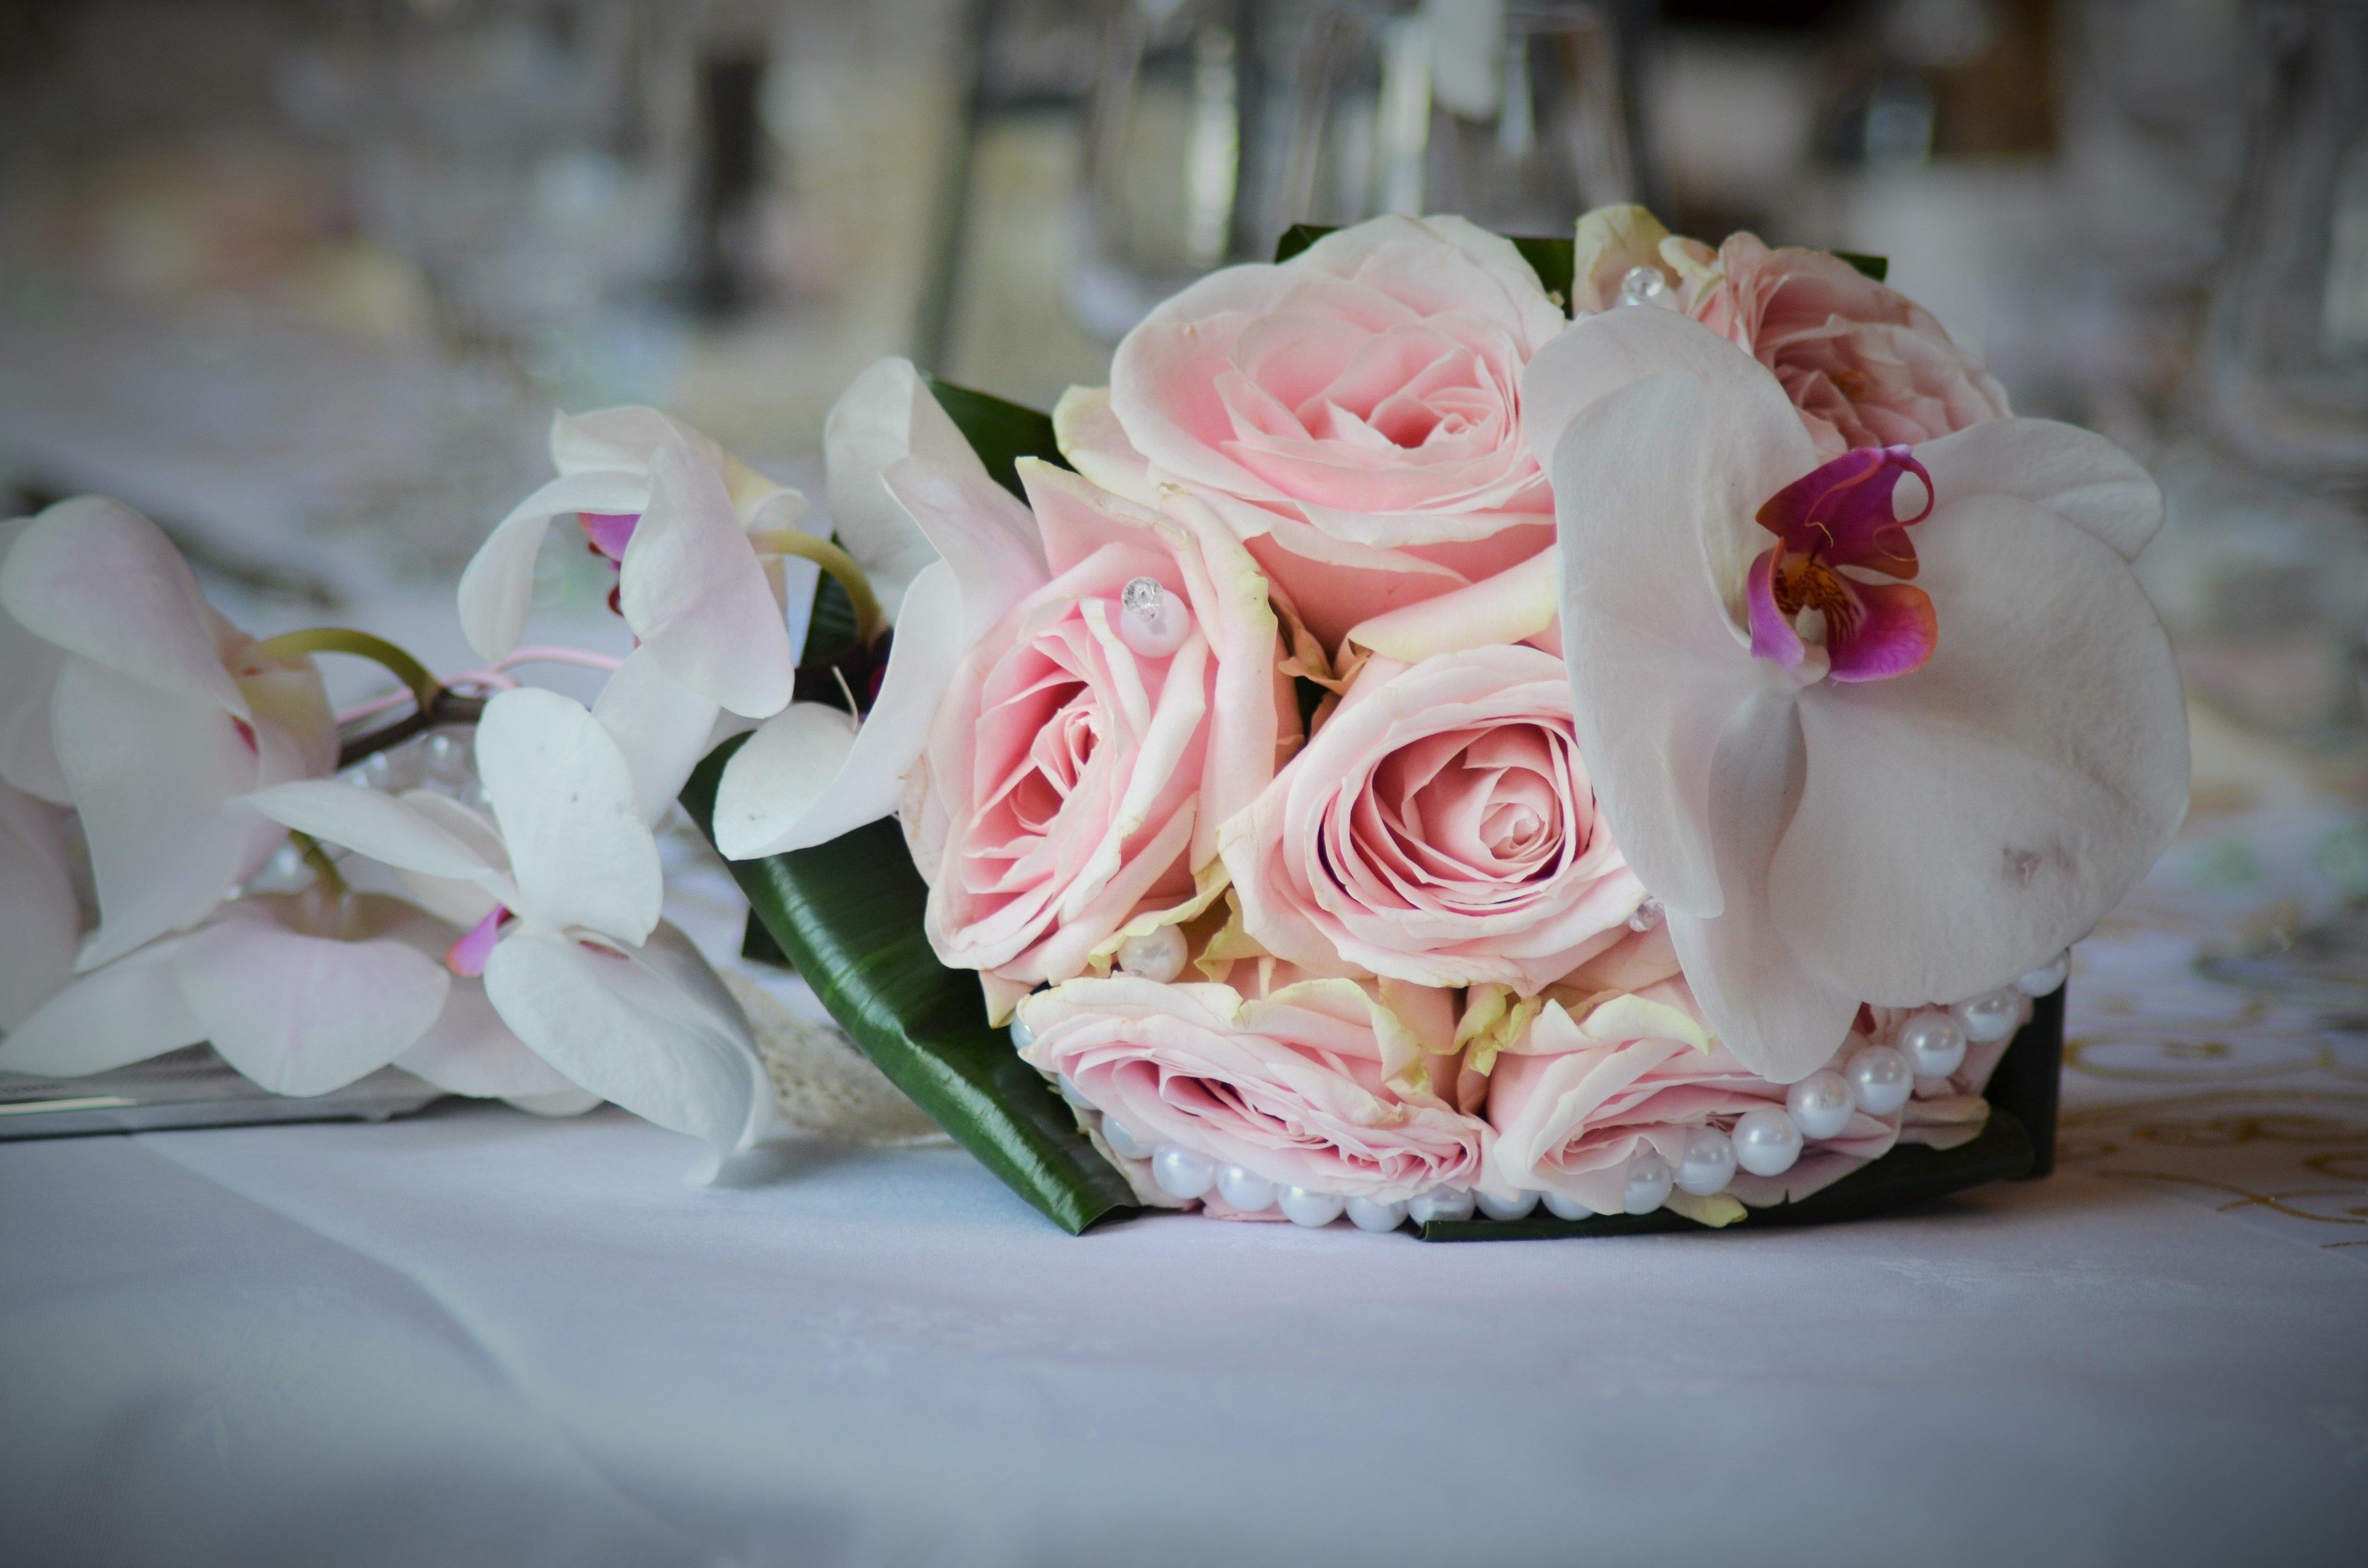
[
  {"x": 839, "y": 564},
  {"x": 361, "y": 645},
  {"x": 324, "y": 871}
]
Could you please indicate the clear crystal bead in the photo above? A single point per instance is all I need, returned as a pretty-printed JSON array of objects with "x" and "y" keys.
[{"x": 1643, "y": 286}]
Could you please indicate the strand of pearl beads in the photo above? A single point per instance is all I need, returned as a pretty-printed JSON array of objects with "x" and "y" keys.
[{"x": 1151, "y": 620}]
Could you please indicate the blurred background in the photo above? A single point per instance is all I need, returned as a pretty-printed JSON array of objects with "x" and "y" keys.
[{"x": 304, "y": 279}]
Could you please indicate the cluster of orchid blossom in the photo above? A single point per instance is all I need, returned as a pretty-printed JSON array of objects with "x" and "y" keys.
[
  {"x": 469, "y": 890},
  {"x": 1423, "y": 753}
]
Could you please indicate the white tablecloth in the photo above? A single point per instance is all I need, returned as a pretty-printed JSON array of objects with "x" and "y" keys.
[{"x": 477, "y": 1337}]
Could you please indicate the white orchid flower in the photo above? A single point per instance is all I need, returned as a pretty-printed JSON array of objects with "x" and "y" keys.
[
  {"x": 150, "y": 714},
  {"x": 1842, "y": 788},
  {"x": 565, "y": 882},
  {"x": 914, "y": 503},
  {"x": 40, "y": 921}
]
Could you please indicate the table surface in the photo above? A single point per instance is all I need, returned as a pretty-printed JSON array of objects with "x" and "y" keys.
[{"x": 475, "y": 1336}]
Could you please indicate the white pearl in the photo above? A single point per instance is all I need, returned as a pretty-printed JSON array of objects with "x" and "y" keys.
[
  {"x": 1993, "y": 1017},
  {"x": 1070, "y": 1092},
  {"x": 1123, "y": 1143},
  {"x": 1180, "y": 1172},
  {"x": 1709, "y": 1162},
  {"x": 1562, "y": 1207},
  {"x": 1246, "y": 1190},
  {"x": 1022, "y": 1037},
  {"x": 1151, "y": 620},
  {"x": 1643, "y": 286},
  {"x": 1767, "y": 1141},
  {"x": 1649, "y": 1180},
  {"x": 1156, "y": 955},
  {"x": 1880, "y": 1079},
  {"x": 1314, "y": 1209},
  {"x": 1440, "y": 1203},
  {"x": 444, "y": 759},
  {"x": 1517, "y": 1206},
  {"x": 2043, "y": 981},
  {"x": 1368, "y": 1215},
  {"x": 1647, "y": 914},
  {"x": 1821, "y": 1104},
  {"x": 1934, "y": 1043}
]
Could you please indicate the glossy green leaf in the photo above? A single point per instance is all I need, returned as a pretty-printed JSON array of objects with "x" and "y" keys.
[
  {"x": 848, "y": 915},
  {"x": 1875, "y": 266},
  {"x": 1001, "y": 433}
]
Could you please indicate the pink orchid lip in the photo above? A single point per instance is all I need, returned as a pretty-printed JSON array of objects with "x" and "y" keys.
[
  {"x": 608, "y": 532},
  {"x": 467, "y": 955},
  {"x": 1844, "y": 513}
]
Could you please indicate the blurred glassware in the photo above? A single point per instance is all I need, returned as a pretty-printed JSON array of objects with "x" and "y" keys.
[
  {"x": 2286, "y": 345},
  {"x": 1217, "y": 124}
]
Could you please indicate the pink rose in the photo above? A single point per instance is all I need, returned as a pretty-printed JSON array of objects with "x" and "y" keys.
[
  {"x": 1072, "y": 785},
  {"x": 1319, "y": 1084},
  {"x": 1634, "y": 1071},
  {"x": 1438, "y": 829},
  {"x": 1865, "y": 365},
  {"x": 1352, "y": 413}
]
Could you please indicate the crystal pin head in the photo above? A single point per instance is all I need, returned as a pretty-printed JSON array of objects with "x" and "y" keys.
[
  {"x": 1142, "y": 595},
  {"x": 1643, "y": 286}
]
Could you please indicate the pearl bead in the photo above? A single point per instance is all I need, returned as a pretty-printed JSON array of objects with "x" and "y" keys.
[
  {"x": 1246, "y": 1190},
  {"x": 1123, "y": 1143},
  {"x": 1821, "y": 1104},
  {"x": 1643, "y": 286},
  {"x": 1022, "y": 1037},
  {"x": 1314, "y": 1209},
  {"x": 1151, "y": 620},
  {"x": 1934, "y": 1043},
  {"x": 1993, "y": 1017},
  {"x": 1649, "y": 1180},
  {"x": 1709, "y": 1162},
  {"x": 1647, "y": 914},
  {"x": 2043, "y": 981},
  {"x": 1180, "y": 1172},
  {"x": 1070, "y": 1092},
  {"x": 1517, "y": 1206},
  {"x": 1156, "y": 955},
  {"x": 444, "y": 759},
  {"x": 1767, "y": 1141},
  {"x": 1368, "y": 1215},
  {"x": 1880, "y": 1079},
  {"x": 1562, "y": 1207},
  {"x": 1440, "y": 1203}
]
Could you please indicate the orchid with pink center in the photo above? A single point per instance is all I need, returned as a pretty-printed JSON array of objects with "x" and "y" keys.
[
  {"x": 131, "y": 700},
  {"x": 1935, "y": 797},
  {"x": 564, "y": 881}
]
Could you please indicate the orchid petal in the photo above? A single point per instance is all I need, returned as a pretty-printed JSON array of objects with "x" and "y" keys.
[
  {"x": 989, "y": 539},
  {"x": 1656, "y": 662},
  {"x": 152, "y": 775},
  {"x": 1777, "y": 1018},
  {"x": 2080, "y": 476},
  {"x": 563, "y": 795},
  {"x": 497, "y": 586},
  {"x": 126, "y": 1011},
  {"x": 453, "y": 900},
  {"x": 303, "y": 1014},
  {"x": 97, "y": 579},
  {"x": 887, "y": 414},
  {"x": 786, "y": 771},
  {"x": 379, "y": 826},
  {"x": 1514, "y": 606},
  {"x": 695, "y": 592},
  {"x": 1960, "y": 825},
  {"x": 469, "y": 1051},
  {"x": 648, "y": 1027},
  {"x": 662, "y": 727},
  {"x": 40, "y": 923},
  {"x": 26, "y": 760},
  {"x": 1895, "y": 632}
]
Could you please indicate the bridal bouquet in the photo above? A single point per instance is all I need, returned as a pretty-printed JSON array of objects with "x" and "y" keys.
[{"x": 1458, "y": 726}]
